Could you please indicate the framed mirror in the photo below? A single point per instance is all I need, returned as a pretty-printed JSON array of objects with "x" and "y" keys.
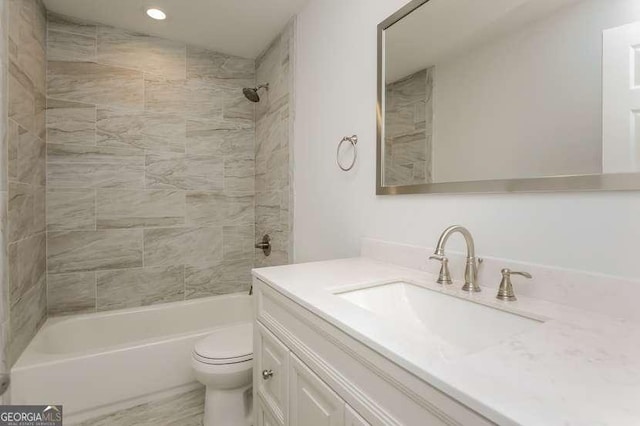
[{"x": 509, "y": 96}]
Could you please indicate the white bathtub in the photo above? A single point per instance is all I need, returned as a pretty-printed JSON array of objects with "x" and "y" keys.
[{"x": 94, "y": 364}]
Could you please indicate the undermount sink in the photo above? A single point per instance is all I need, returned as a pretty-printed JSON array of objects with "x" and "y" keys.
[{"x": 465, "y": 325}]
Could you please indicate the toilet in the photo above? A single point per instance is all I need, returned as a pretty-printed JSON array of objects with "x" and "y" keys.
[{"x": 223, "y": 362}]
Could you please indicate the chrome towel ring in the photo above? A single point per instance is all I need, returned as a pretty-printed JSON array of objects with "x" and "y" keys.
[{"x": 353, "y": 140}]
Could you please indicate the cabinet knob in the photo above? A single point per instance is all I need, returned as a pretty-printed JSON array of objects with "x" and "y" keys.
[{"x": 267, "y": 374}]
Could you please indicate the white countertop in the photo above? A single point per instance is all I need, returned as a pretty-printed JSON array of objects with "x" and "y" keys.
[{"x": 578, "y": 368}]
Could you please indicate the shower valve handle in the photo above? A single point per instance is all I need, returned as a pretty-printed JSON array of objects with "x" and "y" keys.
[{"x": 265, "y": 245}]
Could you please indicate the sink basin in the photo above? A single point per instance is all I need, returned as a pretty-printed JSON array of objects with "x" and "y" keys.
[{"x": 465, "y": 325}]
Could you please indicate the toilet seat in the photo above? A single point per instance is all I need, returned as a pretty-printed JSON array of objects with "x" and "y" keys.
[{"x": 228, "y": 345}]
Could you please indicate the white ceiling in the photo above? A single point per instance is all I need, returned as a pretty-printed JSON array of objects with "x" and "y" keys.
[
  {"x": 443, "y": 28},
  {"x": 236, "y": 27}
]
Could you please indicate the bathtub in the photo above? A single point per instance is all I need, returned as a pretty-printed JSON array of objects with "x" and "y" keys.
[{"x": 94, "y": 364}]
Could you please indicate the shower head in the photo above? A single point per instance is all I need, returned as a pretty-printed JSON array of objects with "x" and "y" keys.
[{"x": 251, "y": 93}]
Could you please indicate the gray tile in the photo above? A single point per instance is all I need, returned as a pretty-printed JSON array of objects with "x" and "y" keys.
[
  {"x": 82, "y": 166},
  {"x": 231, "y": 71},
  {"x": 194, "y": 99},
  {"x": 13, "y": 141},
  {"x": 40, "y": 119},
  {"x": 273, "y": 120},
  {"x": 92, "y": 83},
  {"x": 4, "y": 144},
  {"x": 27, "y": 316},
  {"x": 239, "y": 175},
  {"x": 95, "y": 175},
  {"x": 20, "y": 211},
  {"x": 40, "y": 209},
  {"x": 238, "y": 242},
  {"x": 165, "y": 96},
  {"x": 21, "y": 100},
  {"x": 26, "y": 38},
  {"x": 410, "y": 123},
  {"x": 177, "y": 246},
  {"x": 71, "y": 122},
  {"x": 83, "y": 251},
  {"x": 57, "y": 22},
  {"x": 141, "y": 52},
  {"x": 4, "y": 256},
  {"x": 204, "y": 100},
  {"x": 184, "y": 410},
  {"x": 184, "y": 171},
  {"x": 224, "y": 277},
  {"x": 139, "y": 287},
  {"x": 71, "y": 209},
  {"x": 219, "y": 137},
  {"x": 237, "y": 107},
  {"x": 26, "y": 265},
  {"x": 144, "y": 130},
  {"x": 268, "y": 208},
  {"x": 272, "y": 135},
  {"x": 31, "y": 155},
  {"x": 71, "y": 293},
  {"x": 211, "y": 209},
  {"x": 134, "y": 209},
  {"x": 65, "y": 46},
  {"x": 69, "y": 153}
]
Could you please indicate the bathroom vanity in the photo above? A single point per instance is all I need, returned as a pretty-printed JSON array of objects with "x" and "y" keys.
[
  {"x": 359, "y": 342},
  {"x": 309, "y": 372}
]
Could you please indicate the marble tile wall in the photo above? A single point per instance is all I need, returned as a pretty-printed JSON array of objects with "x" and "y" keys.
[
  {"x": 150, "y": 170},
  {"x": 274, "y": 123},
  {"x": 4, "y": 194},
  {"x": 22, "y": 185},
  {"x": 409, "y": 129}
]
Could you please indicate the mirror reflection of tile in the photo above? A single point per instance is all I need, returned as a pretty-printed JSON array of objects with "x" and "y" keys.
[{"x": 409, "y": 129}]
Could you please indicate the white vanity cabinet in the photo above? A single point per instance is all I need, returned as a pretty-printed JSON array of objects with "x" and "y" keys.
[
  {"x": 308, "y": 372},
  {"x": 289, "y": 393}
]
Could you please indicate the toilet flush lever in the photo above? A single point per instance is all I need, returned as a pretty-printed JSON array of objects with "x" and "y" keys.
[{"x": 267, "y": 374}]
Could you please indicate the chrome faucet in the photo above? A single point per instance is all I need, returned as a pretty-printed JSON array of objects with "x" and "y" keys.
[{"x": 471, "y": 267}]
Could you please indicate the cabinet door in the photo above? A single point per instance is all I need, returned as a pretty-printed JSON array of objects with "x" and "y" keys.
[
  {"x": 311, "y": 401},
  {"x": 351, "y": 418},
  {"x": 271, "y": 367},
  {"x": 263, "y": 416}
]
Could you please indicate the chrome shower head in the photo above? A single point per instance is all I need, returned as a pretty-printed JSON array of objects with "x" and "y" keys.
[{"x": 251, "y": 93}]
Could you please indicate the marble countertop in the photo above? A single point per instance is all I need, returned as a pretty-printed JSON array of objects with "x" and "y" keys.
[{"x": 577, "y": 368}]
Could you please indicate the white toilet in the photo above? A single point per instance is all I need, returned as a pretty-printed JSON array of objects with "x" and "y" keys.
[{"x": 223, "y": 362}]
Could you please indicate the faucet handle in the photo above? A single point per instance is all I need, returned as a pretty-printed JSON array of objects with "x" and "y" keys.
[
  {"x": 505, "y": 292},
  {"x": 445, "y": 276}
]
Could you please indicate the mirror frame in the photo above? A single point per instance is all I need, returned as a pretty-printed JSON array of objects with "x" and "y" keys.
[{"x": 601, "y": 182}]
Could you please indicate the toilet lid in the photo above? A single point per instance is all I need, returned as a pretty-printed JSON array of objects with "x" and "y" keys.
[{"x": 227, "y": 345}]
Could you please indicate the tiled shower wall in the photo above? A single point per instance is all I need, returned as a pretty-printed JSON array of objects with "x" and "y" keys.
[
  {"x": 409, "y": 129},
  {"x": 25, "y": 167},
  {"x": 150, "y": 170},
  {"x": 274, "y": 124},
  {"x": 4, "y": 194}
]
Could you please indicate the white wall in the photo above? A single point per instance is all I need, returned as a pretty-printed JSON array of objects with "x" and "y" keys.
[{"x": 336, "y": 96}]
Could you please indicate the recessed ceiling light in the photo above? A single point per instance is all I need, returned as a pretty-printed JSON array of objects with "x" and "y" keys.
[{"x": 157, "y": 14}]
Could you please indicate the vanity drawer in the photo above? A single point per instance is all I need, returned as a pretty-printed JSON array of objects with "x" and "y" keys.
[{"x": 271, "y": 372}]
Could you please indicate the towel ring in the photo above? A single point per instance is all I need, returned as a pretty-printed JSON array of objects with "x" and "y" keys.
[{"x": 353, "y": 140}]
